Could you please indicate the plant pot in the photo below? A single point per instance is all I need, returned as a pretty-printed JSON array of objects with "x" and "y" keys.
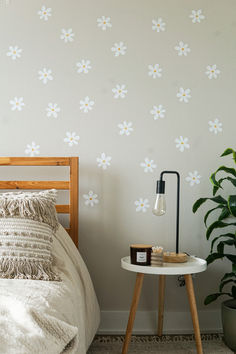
[{"x": 228, "y": 313}]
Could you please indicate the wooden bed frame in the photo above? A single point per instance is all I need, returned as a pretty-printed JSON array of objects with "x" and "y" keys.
[{"x": 71, "y": 185}]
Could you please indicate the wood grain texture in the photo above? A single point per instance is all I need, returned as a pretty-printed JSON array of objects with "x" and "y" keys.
[
  {"x": 35, "y": 185},
  {"x": 72, "y": 185},
  {"x": 161, "y": 301},
  {"x": 134, "y": 305},
  {"x": 193, "y": 309}
]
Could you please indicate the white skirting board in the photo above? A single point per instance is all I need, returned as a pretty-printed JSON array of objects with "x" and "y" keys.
[{"x": 114, "y": 322}]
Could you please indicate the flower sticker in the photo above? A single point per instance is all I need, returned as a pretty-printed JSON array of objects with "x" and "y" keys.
[
  {"x": 182, "y": 143},
  {"x": 45, "y": 13},
  {"x": 86, "y": 104},
  {"x": 142, "y": 205},
  {"x": 104, "y": 22},
  {"x": 158, "y": 25},
  {"x": 125, "y": 128},
  {"x": 193, "y": 178},
  {"x": 212, "y": 72},
  {"x": 90, "y": 199},
  {"x": 197, "y": 16},
  {"x": 71, "y": 138},
  {"x": 83, "y": 66},
  {"x": 155, "y": 71},
  {"x": 104, "y": 161},
  {"x": 14, "y": 52},
  {"x": 182, "y": 49},
  {"x": 53, "y": 110},
  {"x": 184, "y": 95},
  {"x": 67, "y": 35},
  {"x": 32, "y": 149},
  {"x": 119, "y": 91},
  {"x": 158, "y": 112},
  {"x": 215, "y": 126},
  {"x": 148, "y": 165},
  {"x": 119, "y": 49},
  {"x": 17, "y": 104},
  {"x": 45, "y": 75}
]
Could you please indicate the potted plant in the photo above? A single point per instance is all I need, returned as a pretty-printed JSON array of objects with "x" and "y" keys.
[{"x": 225, "y": 220}]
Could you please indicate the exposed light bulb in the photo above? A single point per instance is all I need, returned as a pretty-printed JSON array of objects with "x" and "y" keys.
[{"x": 160, "y": 205}]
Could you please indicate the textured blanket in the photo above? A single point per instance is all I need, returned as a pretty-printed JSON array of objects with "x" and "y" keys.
[{"x": 40, "y": 317}]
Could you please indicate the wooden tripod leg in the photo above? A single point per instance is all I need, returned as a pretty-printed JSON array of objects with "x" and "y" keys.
[
  {"x": 193, "y": 308},
  {"x": 134, "y": 305},
  {"x": 161, "y": 295}
]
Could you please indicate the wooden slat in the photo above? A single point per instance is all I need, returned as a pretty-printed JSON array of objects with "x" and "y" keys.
[
  {"x": 35, "y": 161},
  {"x": 63, "y": 209},
  {"x": 67, "y": 230},
  {"x": 34, "y": 184},
  {"x": 74, "y": 224}
]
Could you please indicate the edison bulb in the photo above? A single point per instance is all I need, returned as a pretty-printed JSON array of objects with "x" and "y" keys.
[{"x": 160, "y": 205}]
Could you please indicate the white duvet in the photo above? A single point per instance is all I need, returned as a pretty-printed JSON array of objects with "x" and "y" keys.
[{"x": 40, "y": 317}]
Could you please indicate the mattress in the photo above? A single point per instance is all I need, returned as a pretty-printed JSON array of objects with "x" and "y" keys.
[{"x": 38, "y": 317}]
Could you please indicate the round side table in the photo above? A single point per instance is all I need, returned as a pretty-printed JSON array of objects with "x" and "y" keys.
[{"x": 193, "y": 265}]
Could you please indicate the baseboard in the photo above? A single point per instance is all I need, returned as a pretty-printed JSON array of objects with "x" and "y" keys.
[{"x": 114, "y": 322}]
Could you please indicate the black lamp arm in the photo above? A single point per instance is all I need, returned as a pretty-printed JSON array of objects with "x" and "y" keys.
[{"x": 178, "y": 197}]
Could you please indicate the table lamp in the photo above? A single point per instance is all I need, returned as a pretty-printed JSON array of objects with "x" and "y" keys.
[{"x": 160, "y": 209}]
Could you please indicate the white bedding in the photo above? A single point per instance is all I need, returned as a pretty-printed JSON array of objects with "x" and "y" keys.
[{"x": 39, "y": 317}]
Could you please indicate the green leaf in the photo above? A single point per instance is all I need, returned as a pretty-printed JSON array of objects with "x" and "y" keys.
[
  {"x": 230, "y": 235},
  {"x": 226, "y": 169},
  {"x": 209, "y": 212},
  {"x": 212, "y": 297},
  {"x": 224, "y": 214},
  {"x": 234, "y": 268},
  {"x": 234, "y": 291},
  {"x": 227, "y": 152},
  {"x": 214, "y": 256},
  {"x": 228, "y": 275},
  {"x": 216, "y": 225},
  {"x": 220, "y": 246},
  {"x": 232, "y": 204},
  {"x": 231, "y": 258},
  {"x": 223, "y": 283},
  {"x": 218, "y": 199}
]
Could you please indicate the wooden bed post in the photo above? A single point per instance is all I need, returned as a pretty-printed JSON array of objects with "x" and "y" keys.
[{"x": 74, "y": 206}]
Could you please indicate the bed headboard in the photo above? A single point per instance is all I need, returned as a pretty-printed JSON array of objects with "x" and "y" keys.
[{"x": 71, "y": 185}]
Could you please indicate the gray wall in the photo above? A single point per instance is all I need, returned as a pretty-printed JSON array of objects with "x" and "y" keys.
[{"x": 107, "y": 228}]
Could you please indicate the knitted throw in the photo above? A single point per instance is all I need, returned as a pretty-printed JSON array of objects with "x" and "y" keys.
[{"x": 27, "y": 224}]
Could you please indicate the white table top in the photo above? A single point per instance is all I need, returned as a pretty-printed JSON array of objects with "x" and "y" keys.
[{"x": 193, "y": 265}]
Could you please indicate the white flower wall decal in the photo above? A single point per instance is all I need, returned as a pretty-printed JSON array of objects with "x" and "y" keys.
[
  {"x": 14, "y": 52},
  {"x": 120, "y": 91},
  {"x": 45, "y": 13},
  {"x": 154, "y": 71},
  {"x": 104, "y": 161},
  {"x": 158, "y": 112},
  {"x": 91, "y": 199},
  {"x": 148, "y": 165},
  {"x": 125, "y": 128},
  {"x": 212, "y": 71},
  {"x": 86, "y": 104},
  {"x": 71, "y": 138},
  {"x": 184, "y": 95},
  {"x": 32, "y": 149},
  {"x": 182, "y": 143},
  {"x": 104, "y": 22},
  {"x": 45, "y": 75},
  {"x": 17, "y": 104},
  {"x": 142, "y": 204},
  {"x": 197, "y": 16},
  {"x": 53, "y": 110},
  {"x": 193, "y": 178},
  {"x": 67, "y": 35},
  {"x": 158, "y": 25},
  {"x": 182, "y": 49},
  {"x": 215, "y": 126},
  {"x": 119, "y": 49},
  {"x": 83, "y": 66}
]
